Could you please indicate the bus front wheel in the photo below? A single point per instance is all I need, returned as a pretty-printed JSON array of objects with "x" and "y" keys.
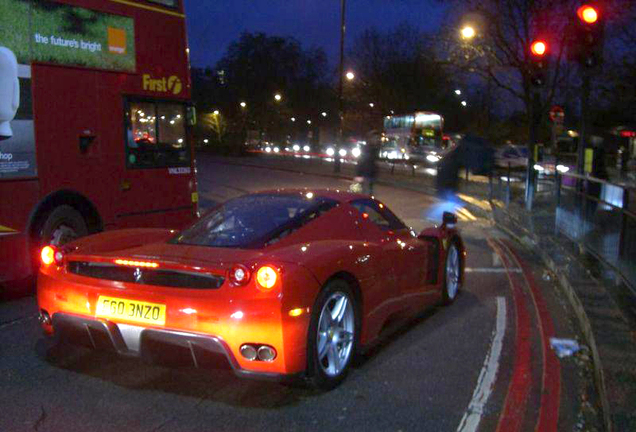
[{"x": 62, "y": 225}]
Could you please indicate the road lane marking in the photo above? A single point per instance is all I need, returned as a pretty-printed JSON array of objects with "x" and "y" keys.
[
  {"x": 488, "y": 374},
  {"x": 518, "y": 393},
  {"x": 491, "y": 270},
  {"x": 551, "y": 376},
  {"x": 464, "y": 212}
]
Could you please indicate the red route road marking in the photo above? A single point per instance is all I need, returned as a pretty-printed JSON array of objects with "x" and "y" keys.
[
  {"x": 511, "y": 418},
  {"x": 551, "y": 380}
]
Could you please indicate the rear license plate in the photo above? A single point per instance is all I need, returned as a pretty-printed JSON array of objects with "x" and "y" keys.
[{"x": 131, "y": 310}]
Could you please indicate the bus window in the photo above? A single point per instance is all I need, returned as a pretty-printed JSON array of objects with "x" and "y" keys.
[
  {"x": 169, "y": 3},
  {"x": 156, "y": 135}
]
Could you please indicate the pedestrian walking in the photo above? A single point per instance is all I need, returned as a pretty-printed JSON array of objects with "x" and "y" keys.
[{"x": 366, "y": 171}]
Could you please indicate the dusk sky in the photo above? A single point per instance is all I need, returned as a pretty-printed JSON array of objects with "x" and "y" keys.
[{"x": 213, "y": 24}]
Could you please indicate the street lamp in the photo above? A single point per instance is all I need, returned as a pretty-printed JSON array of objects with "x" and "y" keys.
[
  {"x": 464, "y": 103},
  {"x": 293, "y": 119},
  {"x": 468, "y": 32},
  {"x": 324, "y": 114},
  {"x": 458, "y": 92},
  {"x": 278, "y": 97},
  {"x": 308, "y": 122},
  {"x": 350, "y": 76},
  {"x": 243, "y": 104},
  {"x": 216, "y": 112},
  {"x": 371, "y": 104}
]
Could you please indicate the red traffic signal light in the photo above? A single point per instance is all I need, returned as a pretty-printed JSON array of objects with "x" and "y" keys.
[
  {"x": 587, "y": 14},
  {"x": 539, "y": 48}
]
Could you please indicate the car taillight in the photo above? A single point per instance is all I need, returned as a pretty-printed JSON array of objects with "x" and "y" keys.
[
  {"x": 239, "y": 275},
  {"x": 266, "y": 277},
  {"x": 47, "y": 255}
]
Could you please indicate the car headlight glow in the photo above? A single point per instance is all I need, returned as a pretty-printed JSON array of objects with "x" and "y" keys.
[
  {"x": 276, "y": 149},
  {"x": 330, "y": 151},
  {"x": 432, "y": 158},
  {"x": 562, "y": 168},
  {"x": 356, "y": 152},
  {"x": 296, "y": 147},
  {"x": 342, "y": 152},
  {"x": 306, "y": 148},
  {"x": 539, "y": 168}
]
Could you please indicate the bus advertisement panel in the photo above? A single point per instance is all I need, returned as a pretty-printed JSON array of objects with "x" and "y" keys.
[{"x": 94, "y": 123}]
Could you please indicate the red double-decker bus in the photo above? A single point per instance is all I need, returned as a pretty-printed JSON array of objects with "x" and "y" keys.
[{"x": 94, "y": 123}]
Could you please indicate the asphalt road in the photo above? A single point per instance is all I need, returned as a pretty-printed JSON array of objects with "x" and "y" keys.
[{"x": 482, "y": 361}]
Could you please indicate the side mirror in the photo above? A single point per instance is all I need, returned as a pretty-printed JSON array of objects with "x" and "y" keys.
[{"x": 449, "y": 219}]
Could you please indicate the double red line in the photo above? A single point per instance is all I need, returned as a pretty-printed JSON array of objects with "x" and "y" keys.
[{"x": 515, "y": 410}]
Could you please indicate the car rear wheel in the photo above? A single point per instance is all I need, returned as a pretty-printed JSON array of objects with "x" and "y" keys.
[
  {"x": 333, "y": 335},
  {"x": 452, "y": 282}
]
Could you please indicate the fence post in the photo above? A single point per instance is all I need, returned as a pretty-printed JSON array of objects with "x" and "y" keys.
[
  {"x": 508, "y": 186},
  {"x": 623, "y": 233},
  {"x": 558, "y": 189}
]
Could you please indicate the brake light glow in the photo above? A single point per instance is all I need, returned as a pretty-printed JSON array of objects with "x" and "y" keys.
[
  {"x": 136, "y": 263},
  {"x": 47, "y": 255},
  {"x": 266, "y": 277}
]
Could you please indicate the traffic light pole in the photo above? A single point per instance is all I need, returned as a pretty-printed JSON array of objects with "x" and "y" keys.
[
  {"x": 336, "y": 163},
  {"x": 535, "y": 119},
  {"x": 585, "y": 106}
]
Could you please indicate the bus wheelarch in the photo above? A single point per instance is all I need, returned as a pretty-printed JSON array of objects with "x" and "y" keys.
[{"x": 61, "y": 216}]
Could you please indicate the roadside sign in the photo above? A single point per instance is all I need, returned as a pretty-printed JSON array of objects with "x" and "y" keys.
[{"x": 557, "y": 114}]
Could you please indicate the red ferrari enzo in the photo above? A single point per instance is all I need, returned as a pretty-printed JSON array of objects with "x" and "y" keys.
[{"x": 281, "y": 283}]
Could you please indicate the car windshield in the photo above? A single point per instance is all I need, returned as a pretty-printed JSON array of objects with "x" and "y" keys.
[{"x": 254, "y": 220}]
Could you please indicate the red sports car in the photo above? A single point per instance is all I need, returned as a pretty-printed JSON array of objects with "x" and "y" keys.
[{"x": 282, "y": 283}]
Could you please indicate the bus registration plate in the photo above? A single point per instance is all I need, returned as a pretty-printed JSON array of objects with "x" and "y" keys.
[{"x": 131, "y": 310}]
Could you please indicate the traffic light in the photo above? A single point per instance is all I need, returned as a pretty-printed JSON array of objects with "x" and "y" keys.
[
  {"x": 587, "y": 46},
  {"x": 538, "y": 51}
]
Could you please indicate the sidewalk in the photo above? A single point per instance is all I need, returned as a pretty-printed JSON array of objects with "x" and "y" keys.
[{"x": 606, "y": 308}]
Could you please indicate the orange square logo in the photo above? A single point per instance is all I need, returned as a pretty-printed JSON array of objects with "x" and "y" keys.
[{"x": 116, "y": 40}]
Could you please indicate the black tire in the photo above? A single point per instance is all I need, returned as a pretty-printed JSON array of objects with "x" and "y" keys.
[
  {"x": 61, "y": 226},
  {"x": 448, "y": 296},
  {"x": 316, "y": 374}
]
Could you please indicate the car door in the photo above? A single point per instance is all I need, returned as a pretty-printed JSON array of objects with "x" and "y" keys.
[{"x": 401, "y": 254}]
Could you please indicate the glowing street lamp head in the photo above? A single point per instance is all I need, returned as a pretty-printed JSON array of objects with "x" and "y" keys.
[
  {"x": 278, "y": 97},
  {"x": 324, "y": 114},
  {"x": 539, "y": 48},
  {"x": 458, "y": 92},
  {"x": 243, "y": 104},
  {"x": 350, "y": 76},
  {"x": 587, "y": 14},
  {"x": 216, "y": 112},
  {"x": 468, "y": 32}
]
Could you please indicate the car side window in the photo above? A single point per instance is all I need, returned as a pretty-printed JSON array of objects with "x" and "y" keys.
[{"x": 378, "y": 214}]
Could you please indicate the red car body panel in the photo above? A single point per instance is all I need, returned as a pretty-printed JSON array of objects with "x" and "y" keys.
[{"x": 390, "y": 272}]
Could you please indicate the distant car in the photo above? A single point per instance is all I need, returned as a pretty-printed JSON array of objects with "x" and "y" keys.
[
  {"x": 281, "y": 284},
  {"x": 515, "y": 156}
]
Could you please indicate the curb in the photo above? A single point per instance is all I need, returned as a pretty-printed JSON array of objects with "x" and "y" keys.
[{"x": 579, "y": 310}]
